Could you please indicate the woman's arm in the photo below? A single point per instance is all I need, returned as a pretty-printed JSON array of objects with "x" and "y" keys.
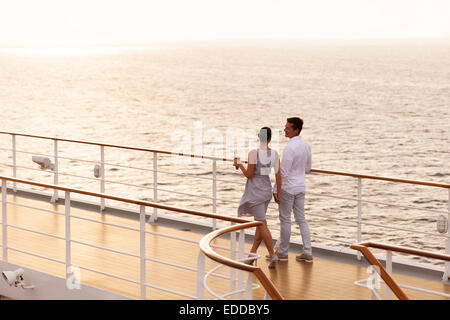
[{"x": 248, "y": 173}]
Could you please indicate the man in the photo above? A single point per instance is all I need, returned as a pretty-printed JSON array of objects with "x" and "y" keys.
[{"x": 295, "y": 163}]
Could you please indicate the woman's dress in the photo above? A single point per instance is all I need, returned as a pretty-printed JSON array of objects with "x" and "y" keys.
[{"x": 258, "y": 189}]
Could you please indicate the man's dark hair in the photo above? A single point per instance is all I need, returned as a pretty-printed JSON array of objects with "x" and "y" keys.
[
  {"x": 297, "y": 123},
  {"x": 265, "y": 134}
]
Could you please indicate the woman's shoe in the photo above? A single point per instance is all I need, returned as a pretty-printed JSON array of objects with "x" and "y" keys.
[
  {"x": 280, "y": 257},
  {"x": 273, "y": 261}
]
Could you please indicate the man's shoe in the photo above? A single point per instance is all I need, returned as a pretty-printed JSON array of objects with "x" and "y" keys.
[
  {"x": 304, "y": 258},
  {"x": 281, "y": 257}
]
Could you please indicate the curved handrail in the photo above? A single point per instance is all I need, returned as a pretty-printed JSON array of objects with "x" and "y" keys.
[
  {"x": 439, "y": 185},
  {"x": 127, "y": 200},
  {"x": 364, "y": 249},
  {"x": 205, "y": 247}
]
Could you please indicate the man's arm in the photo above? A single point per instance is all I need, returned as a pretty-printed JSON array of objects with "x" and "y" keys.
[
  {"x": 308, "y": 159},
  {"x": 286, "y": 163},
  {"x": 277, "y": 188},
  {"x": 285, "y": 167}
]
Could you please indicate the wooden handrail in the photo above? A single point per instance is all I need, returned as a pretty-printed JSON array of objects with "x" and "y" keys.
[
  {"x": 127, "y": 200},
  {"x": 205, "y": 247},
  {"x": 119, "y": 146},
  {"x": 364, "y": 249},
  {"x": 422, "y": 253},
  {"x": 362, "y": 176}
]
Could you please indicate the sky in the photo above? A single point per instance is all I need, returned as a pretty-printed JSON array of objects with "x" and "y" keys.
[{"x": 75, "y": 22}]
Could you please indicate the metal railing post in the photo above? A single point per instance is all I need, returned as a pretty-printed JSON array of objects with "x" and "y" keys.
[
  {"x": 389, "y": 271},
  {"x": 240, "y": 257},
  {"x": 142, "y": 251},
  {"x": 248, "y": 287},
  {"x": 102, "y": 172},
  {"x": 14, "y": 161},
  {"x": 200, "y": 276},
  {"x": 55, "y": 172},
  {"x": 233, "y": 257},
  {"x": 446, "y": 275},
  {"x": 214, "y": 192},
  {"x": 154, "y": 215},
  {"x": 68, "y": 234},
  {"x": 4, "y": 223},
  {"x": 358, "y": 237}
]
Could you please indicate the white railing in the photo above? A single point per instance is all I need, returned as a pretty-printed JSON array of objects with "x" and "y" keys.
[
  {"x": 359, "y": 200},
  {"x": 143, "y": 257}
]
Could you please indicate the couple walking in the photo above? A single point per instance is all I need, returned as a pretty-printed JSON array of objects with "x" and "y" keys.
[{"x": 288, "y": 191}]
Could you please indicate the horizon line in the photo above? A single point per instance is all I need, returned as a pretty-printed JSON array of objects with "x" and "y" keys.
[{"x": 220, "y": 40}]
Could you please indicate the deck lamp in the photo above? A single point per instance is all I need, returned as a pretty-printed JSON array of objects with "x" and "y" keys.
[
  {"x": 97, "y": 171},
  {"x": 15, "y": 278},
  {"x": 44, "y": 162},
  {"x": 442, "y": 224}
]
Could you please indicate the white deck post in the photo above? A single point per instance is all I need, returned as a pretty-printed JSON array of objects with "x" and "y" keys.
[
  {"x": 102, "y": 172},
  {"x": 233, "y": 257},
  {"x": 446, "y": 275},
  {"x": 55, "y": 172},
  {"x": 200, "y": 276},
  {"x": 154, "y": 216},
  {"x": 214, "y": 192},
  {"x": 359, "y": 215},
  {"x": 248, "y": 287},
  {"x": 240, "y": 257},
  {"x": 4, "y": 223},
  {"x": 14, "y": 161},
  {"x": 142, "y": 251},
  {"x": 389, "y": 271},
  {"x": 68, "y": 235}
]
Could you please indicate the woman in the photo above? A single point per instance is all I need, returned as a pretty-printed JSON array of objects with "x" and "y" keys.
[{"x": 258, "y": 190}]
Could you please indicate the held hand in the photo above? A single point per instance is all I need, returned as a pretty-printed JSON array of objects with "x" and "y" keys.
[{"x": 276, "y": 196}]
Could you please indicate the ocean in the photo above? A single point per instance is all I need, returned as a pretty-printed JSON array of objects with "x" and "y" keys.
[{"x": 373, "y": 107}]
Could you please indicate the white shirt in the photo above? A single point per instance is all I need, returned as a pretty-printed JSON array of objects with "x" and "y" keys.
[{"x": 295, "y": 163}]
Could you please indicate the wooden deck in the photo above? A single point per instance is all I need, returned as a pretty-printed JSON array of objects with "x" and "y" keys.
[{"x": 322, "y": 279}]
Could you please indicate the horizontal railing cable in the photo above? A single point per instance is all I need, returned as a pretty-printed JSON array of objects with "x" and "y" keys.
[
  {"x": 378, "y": 225},
  {"x": 37, "y": 255},
  {"x": 376, "y": 202},
  {"x": 37, "y": 232},
  {"x": 108, "y": 274},
  {"x": 105, "y": 223},
  {"x": 170, "y": 291},
  {"x": 330, "y": 239},
  {"x": 36, "y": 208},
  {"x": 104, "y": 248}
]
